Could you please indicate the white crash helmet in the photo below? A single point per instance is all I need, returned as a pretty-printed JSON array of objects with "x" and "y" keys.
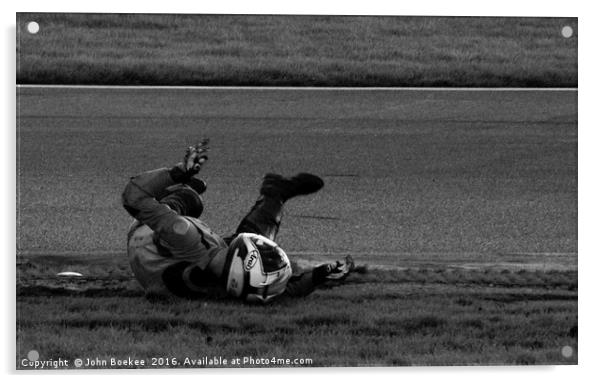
[{"x": 256, "y": 268}]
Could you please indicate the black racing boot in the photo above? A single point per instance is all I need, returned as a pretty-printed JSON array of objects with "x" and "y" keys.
[{"x": 275, "y": 185}]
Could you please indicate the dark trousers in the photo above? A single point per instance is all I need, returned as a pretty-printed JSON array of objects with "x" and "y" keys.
[{"x": 263, "y": 219}]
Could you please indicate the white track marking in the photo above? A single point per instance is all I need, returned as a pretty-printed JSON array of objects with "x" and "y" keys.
[{"x": 301, "y": 88}]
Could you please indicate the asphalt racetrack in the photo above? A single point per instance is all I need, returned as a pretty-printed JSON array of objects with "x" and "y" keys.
[{"x": 471, "y": 177}]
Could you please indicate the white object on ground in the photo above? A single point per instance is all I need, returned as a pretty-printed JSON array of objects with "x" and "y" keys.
[{"x": 69, "y": 274}]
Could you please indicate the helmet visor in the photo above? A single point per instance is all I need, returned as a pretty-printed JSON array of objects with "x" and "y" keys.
[{"x": 273, "y": 258}]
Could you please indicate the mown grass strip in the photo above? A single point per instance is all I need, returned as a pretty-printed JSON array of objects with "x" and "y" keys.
[{"x": 138, "y": 49}]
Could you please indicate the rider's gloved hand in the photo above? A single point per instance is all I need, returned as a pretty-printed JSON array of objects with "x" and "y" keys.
[
  {"x": 194, "y": 158},
  {"x": 341, "y": 269}
]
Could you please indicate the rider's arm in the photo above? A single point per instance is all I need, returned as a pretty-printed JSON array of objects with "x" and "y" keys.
[
  {"x": 142, "y": 195},
  {"x": 303, "y": 284},
  {"x": 141, "y": 199}
]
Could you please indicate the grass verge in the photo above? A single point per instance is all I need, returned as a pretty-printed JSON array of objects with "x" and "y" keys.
[
  {"x": 135, "y": 49},
  {"x": 377, "y": 318}
]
